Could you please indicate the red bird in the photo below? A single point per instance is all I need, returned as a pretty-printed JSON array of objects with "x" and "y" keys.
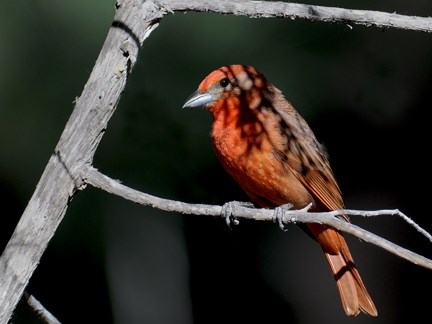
[{"x": 269, "y": 149}]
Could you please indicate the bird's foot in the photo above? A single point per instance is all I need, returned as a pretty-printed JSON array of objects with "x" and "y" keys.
[
  {"x": 229, "y": 208},
  {"x": 279, "y": 213}
]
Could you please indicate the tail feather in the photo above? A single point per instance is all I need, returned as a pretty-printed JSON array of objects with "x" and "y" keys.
[{"x": 353, "y": 293}]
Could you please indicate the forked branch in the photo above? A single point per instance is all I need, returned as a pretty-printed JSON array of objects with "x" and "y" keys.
[
  {"x": 61, "y": 179},
  {"x": 101, "y": 181}
]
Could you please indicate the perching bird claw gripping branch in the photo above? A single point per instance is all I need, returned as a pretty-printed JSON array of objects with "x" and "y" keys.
[{"x": 98, "y": 180}]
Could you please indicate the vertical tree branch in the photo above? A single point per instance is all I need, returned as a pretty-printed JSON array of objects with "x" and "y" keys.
[{"x": 60, "y": 181}]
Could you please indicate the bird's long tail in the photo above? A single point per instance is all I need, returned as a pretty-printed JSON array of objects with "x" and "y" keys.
[{"x": 355, "y": 297}]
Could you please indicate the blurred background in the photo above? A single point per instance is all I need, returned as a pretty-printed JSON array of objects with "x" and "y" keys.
[{"x": 364, "y": 91}]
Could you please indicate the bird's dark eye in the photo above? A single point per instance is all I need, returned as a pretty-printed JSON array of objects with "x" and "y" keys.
[{"x": 224, "y": 82}]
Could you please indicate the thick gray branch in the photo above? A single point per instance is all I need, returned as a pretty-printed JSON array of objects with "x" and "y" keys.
[
  {"x": 76, "y": 147},
  {"x": 295, "y": 10},
  {"x": 98, "y": 180}
]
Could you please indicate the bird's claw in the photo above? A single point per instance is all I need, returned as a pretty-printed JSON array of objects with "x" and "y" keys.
[
  {"x": 306, "y": 208},
  {"x": 228, "y": 209},
  {"x": 279, "y": 213}
]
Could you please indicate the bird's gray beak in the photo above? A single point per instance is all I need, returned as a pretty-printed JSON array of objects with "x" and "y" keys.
[{"x": 198, "y": 99}]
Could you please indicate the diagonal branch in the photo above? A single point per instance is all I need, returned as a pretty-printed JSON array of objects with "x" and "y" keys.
[
  {"x": 95, "y": 178},
  {"x": 60, "y": 181},
  {"x": 267, "y": 9},
  {"x": 41, "y": 312}
]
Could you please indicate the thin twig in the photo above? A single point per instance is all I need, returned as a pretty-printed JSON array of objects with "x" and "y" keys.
[
  {"x": 267, "y": 9},
  {"x": 95, "y": 178},
  {"x": 41, "y": 312},
  {"x": 390, "y": 212}
]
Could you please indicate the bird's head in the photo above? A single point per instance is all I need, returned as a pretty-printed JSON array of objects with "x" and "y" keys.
[{"x": 226, "y": 82}]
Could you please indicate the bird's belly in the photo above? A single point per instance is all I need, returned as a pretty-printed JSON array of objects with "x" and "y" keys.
[{"x": 267, "y": 179}]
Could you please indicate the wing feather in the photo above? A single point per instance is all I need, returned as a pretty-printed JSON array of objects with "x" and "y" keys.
[{"x": 306, "y": 157}]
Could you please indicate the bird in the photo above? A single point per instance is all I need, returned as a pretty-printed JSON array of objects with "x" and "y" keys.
[{"x": 272, "y": 153}]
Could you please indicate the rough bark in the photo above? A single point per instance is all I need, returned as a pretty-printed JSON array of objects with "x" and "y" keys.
[{"x": 76, "y": 147}]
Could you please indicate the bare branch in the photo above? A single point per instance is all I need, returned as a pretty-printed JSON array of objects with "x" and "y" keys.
[
  {"x": 61, "y": 179},
  {"x": 133, "y": 22},
  {"x": 101, "y": 181},
  {"x": 40, "y": 310},
  {"x": 260, "y": 9},
  {"x": 391, "y": 212}
]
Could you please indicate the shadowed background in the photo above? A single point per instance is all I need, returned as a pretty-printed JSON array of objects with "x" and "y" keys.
[{"x": 364, "y": 91}]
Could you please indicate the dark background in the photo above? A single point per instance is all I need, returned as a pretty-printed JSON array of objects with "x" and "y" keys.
[{"x": 364, "y": 91}]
